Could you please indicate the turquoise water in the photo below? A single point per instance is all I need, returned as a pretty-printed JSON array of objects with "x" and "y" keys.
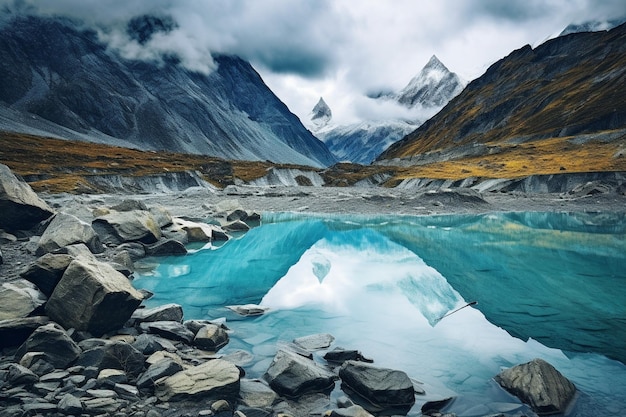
[{"x": 548, "y": 285}]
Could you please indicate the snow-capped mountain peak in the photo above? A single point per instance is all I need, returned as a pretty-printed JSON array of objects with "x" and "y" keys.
[{"x": 321, "y": 115}]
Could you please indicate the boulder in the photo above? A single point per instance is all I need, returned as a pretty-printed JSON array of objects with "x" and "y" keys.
[
  {"x": 148, "y": 344},
  {"x": 166, "y": 247},
  {"x": 14, "y": 332},
  {"x": 92, "y": 296},
  {"x": 211, "y": 337},
  {"x": 381, "y": 388},
  {"x": 65, "y": 229},
  {"x": 54, "y": 342},
  {"x": 217, "y": 379},
  {"x": 46, "y": 271},
  {"x": 538, "y": 384},
  {"x": 130, "y": 205},
  {"x": 166, "y": 312},
  {"x": 172, "y": 330},
  {"x": 128, "y": 226},
  {"x": 19, "y": 299},
  {"x": 315, "y": 341},
  {"x": 256, "y": 393},
  {"x": 236, "y": 226},
  {"x": 163, "y": 368},
  {"x": 21, "y": 208},
  {"x": 20, "y": 375},
  {"x": 69, "y": 404},
  {"x": 113, "y": 355},
  {"x": 292, "y": 375},
  {"x": 340, "y": 355},
  {"x": 162, "y": 216}
]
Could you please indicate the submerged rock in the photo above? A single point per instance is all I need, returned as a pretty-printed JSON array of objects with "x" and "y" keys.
[
  {"x": 538, "y": 384},
  {"x": 315, "y": 341},
  {"x": 377, "y": 388}
]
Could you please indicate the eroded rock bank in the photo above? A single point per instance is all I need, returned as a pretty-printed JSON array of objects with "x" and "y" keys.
[{"x": 77, "y": 340}]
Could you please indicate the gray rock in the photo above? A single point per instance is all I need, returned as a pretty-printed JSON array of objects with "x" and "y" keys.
[
  {"x": 163, "y": 368},
  {"x": 14, "y": 332},
  {"x": 1, "y": 257},
  {"x": 172, "y": 330},
  {"x": 196, "y": 325},
  {"x": 341, "y": 355},
  {"x": 19, "y": 299},
  {"x": 135, "y": 250},
  {"x": 21, "y": 208},
  {"x": 46, "y": 271},
  {"x": 315, "y": 341},
  {"x": 352, "y": 411},
  {"x": 76, "y": 250},
  {"x": 129, "y": 226},
  {"x": 248, "y": 309},
  {"x": 384, "y": 389},
  {"x": 20, "y": 375},
  {"x": 53, "y": 340},
  {"x": 39, "y": 408},
  {"x": 216, "y": 378},
  {"x": 104, "y": 405},
  {"x": 166, "y": 312},
  {"x": 37, "y": 362},
  {"x": 236, "y": 226},
  {"x": 538, "y": 384},
  {"x": 92, "y": 296},
  {"x": 130, "y": 205},
  {"x": 127, "y": 392},
  {"x": 114, "y": 355},
  {"x": 292, "y": 375},
  {"x": 148, "y": 344},
  {"x": 110, "y": 377},
  {"x": 65, "y": 229},
  {"x": 162, "y": 216},
  {"x": 69, "y": 404},
  {"x": 211, "y": 337},
  {"x": 256, "y": 393},
  {"x": 166, "y": 247}
]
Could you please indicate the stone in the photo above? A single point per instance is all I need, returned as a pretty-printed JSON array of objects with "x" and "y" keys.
[
  {"x": 315, "y": 341},
  {"x": 211, "y": 337},
  {"x": 352, "y": 411},
  {"x": 256, "y": 393},
  {"x": 166, "y": 312},
  {"x": 383, "y": 389},
  {"x": 292, "y": 375},
  {"x": 162, "y": 216},
  {"x": 13, "y": 332},
  {"x": 149, "y": 344},
  {"x": 20, "y": 206},
  {"x": 126, "y": 391},
  {"x": 37, "y": 362},
  {"x": 130, "y": 205},
  {"x": 540, "y": 385},
  {"x": 53, "y": 340},
  {"x": 46, "y": 271},
  {"x": 20, "y": 375},
  {"x": 163, "y": 368},
  {"x": 248, "y": 309},
  {"x": 166, "y": 247},
  {"x": 236, "y": 226},
  {"x": 216, "y": 379},
  {"x": 196, "y": 325},
  {"x": 220, "y": 406},
  {"x": 128, "y": 226},
  {"x": 92, "y": 296},
  {"x": 114, "y": 355},
  {"x": 196, "y": 232},
  {"x": 65, "y": 229},
  {"x": 341, "y": 355},
  {"x": 69, "y": 404},
  {"x": 135, "y": 250},
  {"x": 19, "y": 298},
  {"x": 172, "y": 330},
  {"x": 110, "y": 377},
  {"x": 104, "y": 405}
]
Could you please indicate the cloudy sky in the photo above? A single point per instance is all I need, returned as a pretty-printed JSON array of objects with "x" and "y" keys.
[{"x": 338, "y": 49}]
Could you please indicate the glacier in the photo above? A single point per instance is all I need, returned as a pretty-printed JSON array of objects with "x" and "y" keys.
[{"x": 548, "y": 285}]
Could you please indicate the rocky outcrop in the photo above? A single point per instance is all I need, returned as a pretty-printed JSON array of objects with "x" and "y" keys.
[
  {"x": 377, "y": 388},
  {"x": 292, "y": 375},
  {"x": 21, "y": 208},
  {"x": 64, "y": 230},
  {"x": 92, "y": 296},
  {"x": 540, "y": 385},
  {"x": 214, "y": 379}
]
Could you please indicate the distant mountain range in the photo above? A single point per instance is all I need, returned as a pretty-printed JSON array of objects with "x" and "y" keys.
[
  {"x": 572, "y": 86},
  {"x": 58, "y": 79},
  {"x": 362, "y": 142}
]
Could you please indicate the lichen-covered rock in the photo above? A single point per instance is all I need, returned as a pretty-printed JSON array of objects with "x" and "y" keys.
[
  {"x": 292, "y": 375},
  {"x": 92, "y": 296},
  {"x": 21, "y": 208},
  {"x": 65, "y": 229},
  {"x": 216, "y": 378},
  {"x": 538, "y": 384}
]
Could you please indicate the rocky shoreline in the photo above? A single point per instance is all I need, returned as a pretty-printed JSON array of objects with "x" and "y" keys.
[{"x": 77, "y": 340}]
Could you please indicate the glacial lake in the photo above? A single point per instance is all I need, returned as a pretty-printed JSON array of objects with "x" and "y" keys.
[{"x": 547, "y": 285}]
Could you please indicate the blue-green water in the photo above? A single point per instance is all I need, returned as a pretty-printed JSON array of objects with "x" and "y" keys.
[{"x": 548, "y": 285}]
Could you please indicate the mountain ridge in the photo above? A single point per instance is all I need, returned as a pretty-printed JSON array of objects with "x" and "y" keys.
[{"x": 67, "y": 76}]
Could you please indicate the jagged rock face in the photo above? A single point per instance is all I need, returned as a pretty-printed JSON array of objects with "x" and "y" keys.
[
  {"x": 568, "y": 86},
  {"x": 66, "y": 75}
]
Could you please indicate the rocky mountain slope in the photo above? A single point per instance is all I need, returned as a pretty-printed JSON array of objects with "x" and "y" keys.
[
  {"x": 59, "y": 71},
  {"x": 362, "y": 142},
  {"x": 567, "y": 95}
]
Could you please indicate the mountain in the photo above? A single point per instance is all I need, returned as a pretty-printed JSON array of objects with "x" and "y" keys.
[
  {"x": 362, "y": 142},
  {"x": 592, "y": 26},
  {"x": 566, "y": 93},
  {"x": 57, "y": 75}
]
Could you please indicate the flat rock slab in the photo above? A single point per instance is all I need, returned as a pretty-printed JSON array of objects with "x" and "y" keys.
[
  {"x": 213, "y": 379},
  {"x": 315, "y": 341}
]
